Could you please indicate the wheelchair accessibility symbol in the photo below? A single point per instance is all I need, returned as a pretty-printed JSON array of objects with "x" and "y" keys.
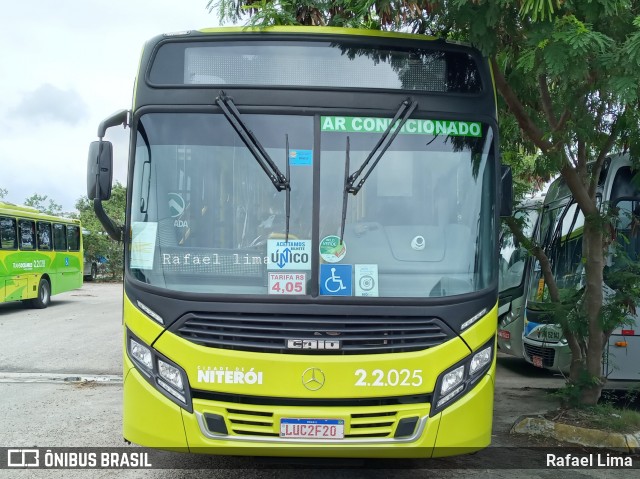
[{"x": 335, "y": 279}]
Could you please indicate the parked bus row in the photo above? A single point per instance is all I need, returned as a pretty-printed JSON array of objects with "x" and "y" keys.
[
  {"x": 526, "y": 328},
  {"x": 40, "y": 255}
]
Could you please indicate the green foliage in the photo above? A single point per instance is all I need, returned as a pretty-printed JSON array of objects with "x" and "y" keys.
[
  {"x": 539, "y": 9},
  {"x": 97, "y": 244},
  {"x": 39, "y": 202},
  {"x": 569, "y": 82},
  {"x": 606, "y": 416}
]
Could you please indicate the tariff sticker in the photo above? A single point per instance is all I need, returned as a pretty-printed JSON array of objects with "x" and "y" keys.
[{"x": 287, "y": 283}]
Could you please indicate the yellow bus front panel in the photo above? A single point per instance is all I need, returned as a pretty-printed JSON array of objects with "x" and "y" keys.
[{"x": 242, "y": 401}]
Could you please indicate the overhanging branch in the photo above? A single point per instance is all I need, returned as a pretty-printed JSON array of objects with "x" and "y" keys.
[
  {"x": 525, "y": 122},
  {"x": 604, "y": 151}
]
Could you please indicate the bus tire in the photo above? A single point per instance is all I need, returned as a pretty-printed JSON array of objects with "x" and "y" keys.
[{"x": 44, "y": 295}]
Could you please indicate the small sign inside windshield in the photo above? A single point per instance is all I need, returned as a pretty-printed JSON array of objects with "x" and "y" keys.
[
  {"x": 335, "y": 279},
  {"x": 361, "y": 124},
  {"x": 289, "y": 255},
  {"x": 301, "y": 157}
]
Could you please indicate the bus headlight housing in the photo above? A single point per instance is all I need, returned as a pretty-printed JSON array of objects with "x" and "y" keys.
[
  {"x": 452, "y": 379},
  {"x": 460, "y": 378},
  {"x": 162, "y": 373},
  {"x": 170, "y": 373},
  {"x": 480, "y": 360},
  {"x": 142, "y": 354}
]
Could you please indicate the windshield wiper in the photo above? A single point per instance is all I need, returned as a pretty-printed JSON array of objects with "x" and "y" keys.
[
  {"x": 280, "y": 181},
  {"x": 345, "y": 190},
  {"x": 556, "y": 236},
  {"x": 288, "y": 200},
  {"x": 404, "y": 112}
]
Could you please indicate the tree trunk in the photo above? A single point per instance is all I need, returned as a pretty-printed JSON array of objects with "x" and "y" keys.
[
  {"x": 578, "y": 361},
  {"x": 593, "y": 249}
]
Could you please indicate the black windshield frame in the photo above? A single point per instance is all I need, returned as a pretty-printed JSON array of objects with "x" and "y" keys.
[{"x": 314, "y": 297}]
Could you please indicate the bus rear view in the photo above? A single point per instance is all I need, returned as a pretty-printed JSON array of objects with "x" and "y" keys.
[{"x": 311, "y": 244}]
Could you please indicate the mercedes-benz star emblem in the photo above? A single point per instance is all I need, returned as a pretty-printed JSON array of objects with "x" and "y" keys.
[{"x": 313, "y": 379}]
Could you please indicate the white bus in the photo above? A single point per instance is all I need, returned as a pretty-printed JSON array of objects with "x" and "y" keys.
[
  {"x": 561, "y": 235},
  {"x": 514, "y": 275}
]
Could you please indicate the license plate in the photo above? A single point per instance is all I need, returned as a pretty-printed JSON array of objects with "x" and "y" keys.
[
  {"x": 312, "y": 428},
  {"x": 537, "y": 361}
]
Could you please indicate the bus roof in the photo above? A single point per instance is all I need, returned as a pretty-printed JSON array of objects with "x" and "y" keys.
[
  {"x": 317, "y": 30},
  {"x": 197, "y": 64},
  {"x": 22, "y": 211}
]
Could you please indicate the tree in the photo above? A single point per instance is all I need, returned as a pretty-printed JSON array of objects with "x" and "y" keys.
[
  {"x": 567, "y": 72},
  {"x": 39, "y": 202},
  {"x": 97, "y": 244},
  {"x": 3, "y": 193}
]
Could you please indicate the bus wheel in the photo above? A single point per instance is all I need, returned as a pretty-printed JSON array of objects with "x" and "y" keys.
[{"x": 44, "y": 295}]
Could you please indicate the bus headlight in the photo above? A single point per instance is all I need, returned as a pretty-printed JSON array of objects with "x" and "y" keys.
[
  {"x": 141, "y": 353},
  {"x": 170, "y": 374},
  {"x": 451, "y": 380},
  {"x": 480, "y": 360},
  {"x": 460, "y": 378},
  {"x": 162, "y": 373}
]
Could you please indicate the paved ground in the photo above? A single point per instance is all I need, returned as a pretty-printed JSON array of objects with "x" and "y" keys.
[{"x": 79, "y": 335}]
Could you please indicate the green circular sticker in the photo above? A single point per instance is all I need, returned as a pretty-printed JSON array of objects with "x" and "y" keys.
[{"x": 331, "y": 250}]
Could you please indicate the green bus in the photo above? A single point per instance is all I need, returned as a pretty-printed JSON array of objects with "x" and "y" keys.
[
  {"x": 40, "y": 255},
  {"x": 311, "y": 243}
]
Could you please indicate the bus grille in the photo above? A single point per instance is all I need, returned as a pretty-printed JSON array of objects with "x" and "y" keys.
[
  {"x": 300, "y": 334},
  {"x": 247, "y": 422},
  {"x": 547, "y": 354}
]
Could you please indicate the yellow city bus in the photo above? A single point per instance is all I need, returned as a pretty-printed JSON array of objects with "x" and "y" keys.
[
  {"x": 311, "y": 243},
  {"x": 40, "y": 255}
]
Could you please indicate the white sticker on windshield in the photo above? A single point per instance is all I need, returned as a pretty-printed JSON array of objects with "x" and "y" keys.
[
  {"x": 366, "y": 280},
  {"x": 287, "y": 255},
  {"x": 143, "y": 244}
]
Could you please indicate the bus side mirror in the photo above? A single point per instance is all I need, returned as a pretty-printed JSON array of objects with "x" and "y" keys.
[
  {"x": 99, "y": 170},
  {"x": 506, "y": 191}
]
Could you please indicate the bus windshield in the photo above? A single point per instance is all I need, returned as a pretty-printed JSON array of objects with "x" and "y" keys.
[
  {"x": 561, "y": 228},
  {"x": 206, "y": 218}
]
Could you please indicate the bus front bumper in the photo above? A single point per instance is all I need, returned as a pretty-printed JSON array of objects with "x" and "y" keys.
[
  {"x": 552, "y": 356},
  {"x": 152, "y": 420}
]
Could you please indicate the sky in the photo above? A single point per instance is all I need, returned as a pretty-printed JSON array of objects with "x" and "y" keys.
[{"x": 65, "y": 65}]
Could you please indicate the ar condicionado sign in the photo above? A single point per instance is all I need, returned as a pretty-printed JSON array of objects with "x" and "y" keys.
[{"x": 363, "y": 124}]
